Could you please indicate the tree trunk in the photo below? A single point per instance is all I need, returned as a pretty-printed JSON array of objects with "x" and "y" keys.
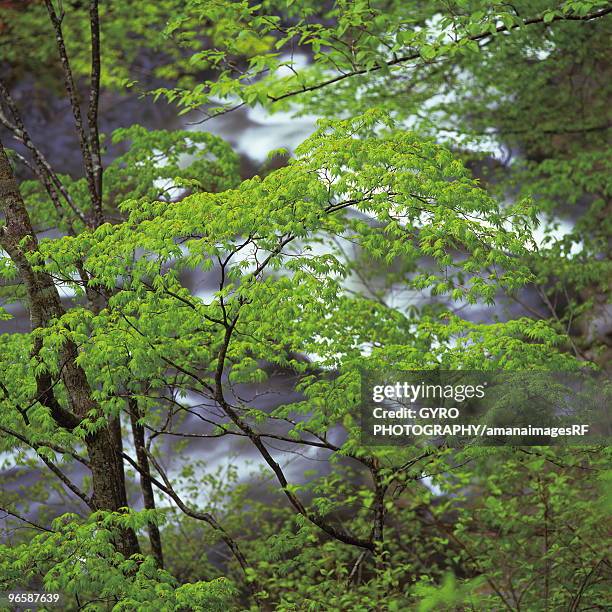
[
  {"x": 145, "y": 480},
  {"x": 17, "y": 238}
]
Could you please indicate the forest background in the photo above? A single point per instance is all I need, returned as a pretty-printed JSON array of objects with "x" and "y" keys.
[{"x": 184, "y": 321}]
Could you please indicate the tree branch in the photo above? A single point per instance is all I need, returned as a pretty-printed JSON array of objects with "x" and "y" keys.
[
  {"x": 416, "y": 55},
  {"x": 56, "y": 21},
  {"x": 166, "y": 487},
  {"x": 68, "y": 483},
  {"x": 265, "y": 453},
  {"x": 47, "y": 176},
  {"x": 25, "y": 520},
  {"x": 94, "y": 98}
]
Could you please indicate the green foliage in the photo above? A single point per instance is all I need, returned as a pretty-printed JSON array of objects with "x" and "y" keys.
[
  {"x": 78, "y": 559},
  {"x": 132, "y": 48},
  {"x": 394, "y": 194}
]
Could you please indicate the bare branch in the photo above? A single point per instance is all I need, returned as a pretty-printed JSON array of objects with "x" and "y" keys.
[
  {"x": 94, "y": 97},
  {"x": 265, "y": 453},
  {"x": 45, "y": 173},
  {"x": 166, "y": 487},
  {"x": 68, "y": 483},
  {"x": 96, "y": 200},
  {"x": 25, "y": 520}
]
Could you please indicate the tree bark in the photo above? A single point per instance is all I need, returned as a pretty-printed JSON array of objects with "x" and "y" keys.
[
  {"x": 145, "y": 479},
  {"x": 17, "y": 238}
]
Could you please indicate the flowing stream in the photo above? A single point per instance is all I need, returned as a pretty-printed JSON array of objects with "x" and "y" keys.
[{"x": 253, "y": 134}]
